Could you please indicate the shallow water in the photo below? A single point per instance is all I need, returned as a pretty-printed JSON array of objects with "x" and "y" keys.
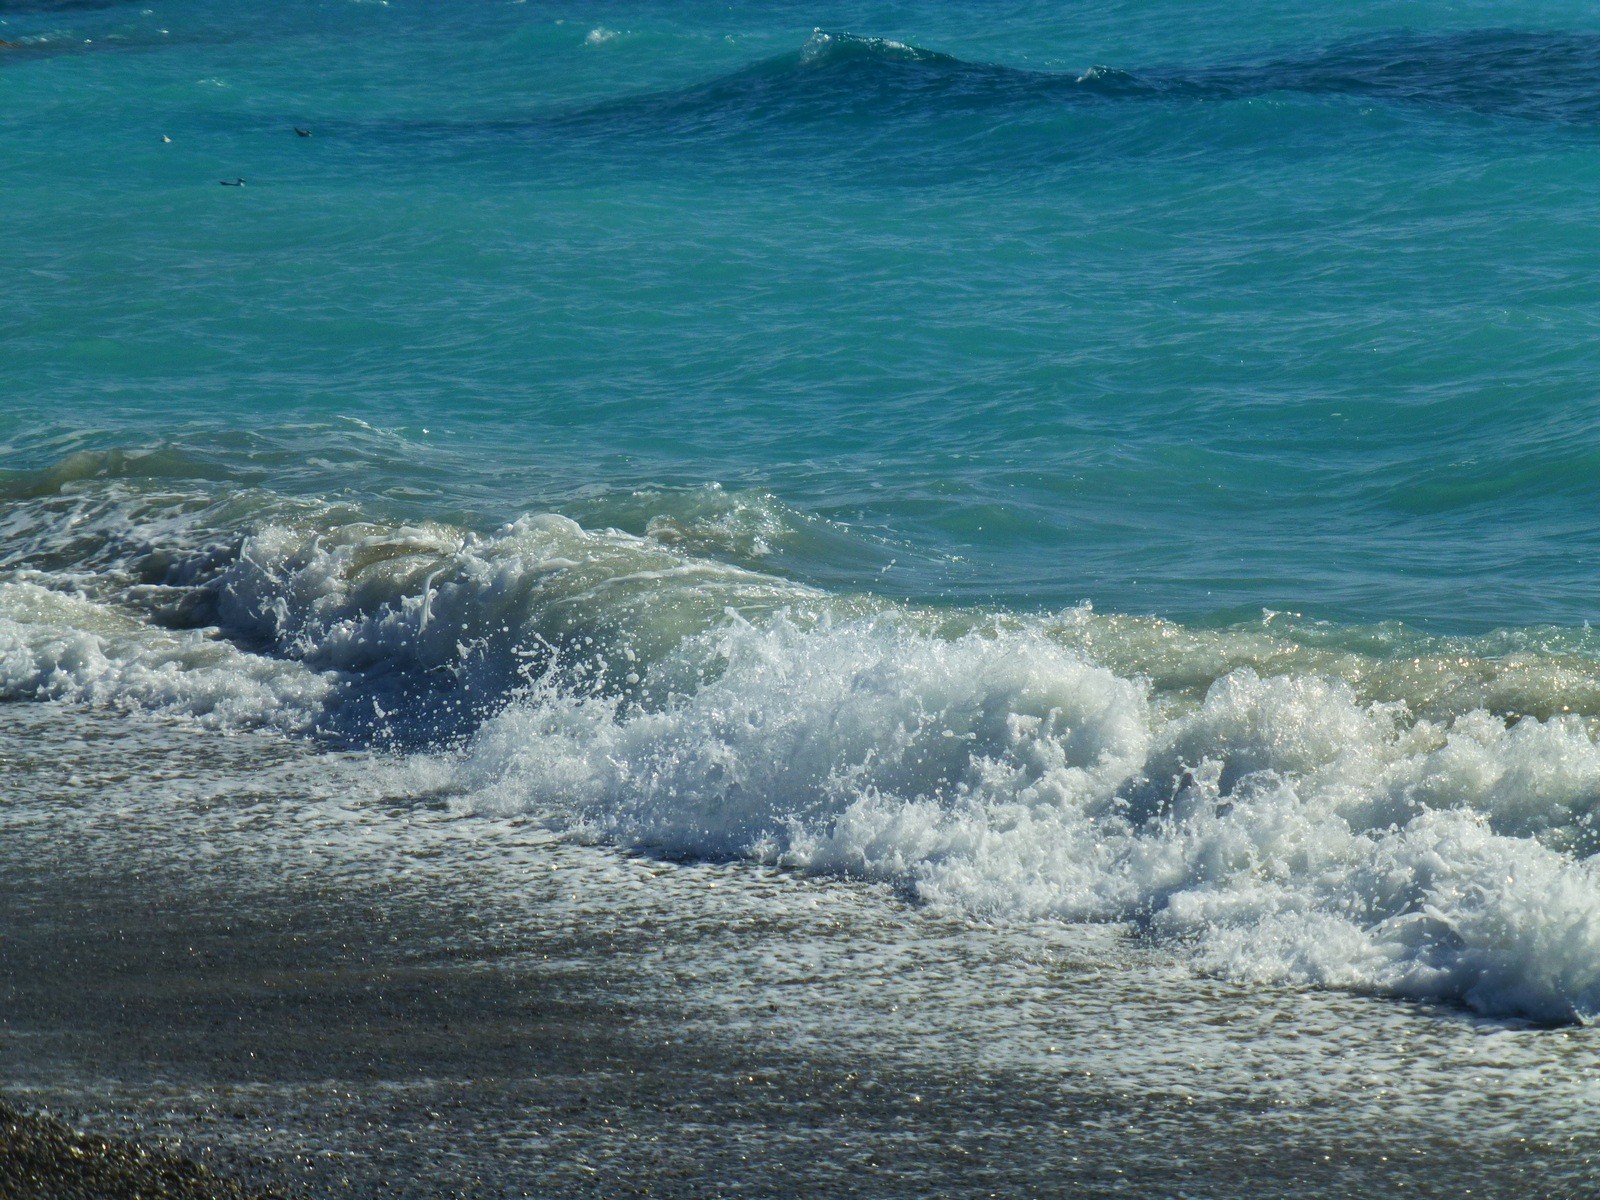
[{"x": 316, "y": 980}]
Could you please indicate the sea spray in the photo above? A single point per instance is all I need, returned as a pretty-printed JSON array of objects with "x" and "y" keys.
[
  {"x": 1273, "y": 801},
  {"x": 1283, "y": 831}
]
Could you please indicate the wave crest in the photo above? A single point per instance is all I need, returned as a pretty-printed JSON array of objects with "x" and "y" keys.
[
  {"x": 1277, "y": 801},
  {"x": 1282, "y": 831},
  {"x": 823, "y": 47}
]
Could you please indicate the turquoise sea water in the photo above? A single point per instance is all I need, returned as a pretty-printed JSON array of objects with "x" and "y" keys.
[
  {"x": 1181, "y": 309},
  {"x": 1127, "y": 464}
]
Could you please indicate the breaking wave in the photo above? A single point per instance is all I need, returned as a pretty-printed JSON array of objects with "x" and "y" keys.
[{"x": 1371, "y": 809}]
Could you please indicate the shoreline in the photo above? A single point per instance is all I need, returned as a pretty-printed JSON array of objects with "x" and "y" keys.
[
  {"x": 43, "y": 1157},
  {"x": 313, "y": 982}
]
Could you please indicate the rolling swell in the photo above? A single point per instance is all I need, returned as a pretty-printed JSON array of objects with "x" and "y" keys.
[
  {"x": 1282, "y": 800},
  {"x": 839, "y": 77}
]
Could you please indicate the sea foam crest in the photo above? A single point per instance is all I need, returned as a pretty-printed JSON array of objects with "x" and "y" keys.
[
  {"x": 55, "y": 646},
  {"x": 1270, "y": 820},
  {"x": 823, "y": 46},
  {"x": 363, "y": 596},
  {"x": 1282, "y": 830}
]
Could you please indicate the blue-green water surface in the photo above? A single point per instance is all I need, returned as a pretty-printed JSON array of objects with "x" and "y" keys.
[{"x": 1182, "y": 309}]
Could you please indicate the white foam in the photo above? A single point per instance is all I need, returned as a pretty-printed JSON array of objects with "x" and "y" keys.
[
  {"x": 1280, "y": 830},
  {"x": 1275, "y": 807},
  {"x": 62, "y": 647}
]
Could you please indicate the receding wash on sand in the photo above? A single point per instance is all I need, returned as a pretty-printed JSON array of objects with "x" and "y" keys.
[{"x": 756, "y": 602}]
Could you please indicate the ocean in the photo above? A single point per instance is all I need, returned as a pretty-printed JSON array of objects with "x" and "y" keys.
[{"x": 1015, "y": 581}]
